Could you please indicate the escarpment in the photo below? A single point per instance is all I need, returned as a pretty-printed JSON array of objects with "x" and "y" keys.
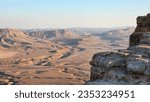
[{"x": 129, "y": 66}]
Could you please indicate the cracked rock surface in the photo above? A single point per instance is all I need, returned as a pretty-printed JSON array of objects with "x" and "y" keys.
[{"x": 129, "y": 66}]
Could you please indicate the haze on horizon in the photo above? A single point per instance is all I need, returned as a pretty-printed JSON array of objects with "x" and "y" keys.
[{"x": 70, "y": 13}]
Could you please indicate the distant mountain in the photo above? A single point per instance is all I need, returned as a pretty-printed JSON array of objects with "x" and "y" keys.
[
  {"x": 52, "y": 34},
  {"x": 120, "y": 32},
  {"x": 14, "y": 38},
  {"x": 117, "y": 34},
  {"x": 68, "y": 32},
  {"x": 96, "y": 30}
]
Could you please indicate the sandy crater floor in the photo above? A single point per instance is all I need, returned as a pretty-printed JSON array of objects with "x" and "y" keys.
[{"x": 54, "y": 68}]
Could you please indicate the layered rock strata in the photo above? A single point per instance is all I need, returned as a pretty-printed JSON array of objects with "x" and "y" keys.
[{"x": 129, "y": 66}]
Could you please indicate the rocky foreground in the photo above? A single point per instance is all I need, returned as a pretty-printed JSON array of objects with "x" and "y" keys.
[{"x": 129, "y": 66}]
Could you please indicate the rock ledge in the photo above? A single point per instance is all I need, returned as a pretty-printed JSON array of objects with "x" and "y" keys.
[{"x": 129, "y": 66}]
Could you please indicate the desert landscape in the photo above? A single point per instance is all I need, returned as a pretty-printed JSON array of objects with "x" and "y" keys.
[
  {"x": 74, "y": 42},
  {"x": 54, "y": 56}
]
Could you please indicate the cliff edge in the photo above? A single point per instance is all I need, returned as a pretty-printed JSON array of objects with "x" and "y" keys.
[{"x": 129, "y": 66}]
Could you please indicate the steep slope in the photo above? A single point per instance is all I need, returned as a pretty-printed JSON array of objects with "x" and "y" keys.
[
  {"x": 12, "y": 37},
  {"x": 17, "y": 48},
  {"x": 17, "y": 39}
]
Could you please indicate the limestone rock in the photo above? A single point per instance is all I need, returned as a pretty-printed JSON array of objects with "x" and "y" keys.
[
  {"x": 147, "y": 71},
  {"x": 136, "y": 66},
  {"x": 129, "y": 66},
  {"x": 142, "y": 30},
  {"x": 109, "y": 60}
]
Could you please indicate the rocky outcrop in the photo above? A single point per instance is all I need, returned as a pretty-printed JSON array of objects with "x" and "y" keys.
[
  {"x": 127, "y": 66},
  {"x": 142, "y": 31}
]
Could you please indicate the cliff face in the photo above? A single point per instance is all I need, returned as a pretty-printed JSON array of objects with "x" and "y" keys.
[
  {"x": 142, "y": 31},
  {"x": 127, "y": 66}
]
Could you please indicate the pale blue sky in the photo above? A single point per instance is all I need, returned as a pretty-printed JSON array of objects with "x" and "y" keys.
[{"x": 71, "y": 13}]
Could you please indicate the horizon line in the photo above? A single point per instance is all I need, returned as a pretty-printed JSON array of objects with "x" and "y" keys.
[{"x": 70, "y": 27}]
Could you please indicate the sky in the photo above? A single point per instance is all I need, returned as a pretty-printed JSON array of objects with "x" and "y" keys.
[{"x": 71, "y": 13}]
